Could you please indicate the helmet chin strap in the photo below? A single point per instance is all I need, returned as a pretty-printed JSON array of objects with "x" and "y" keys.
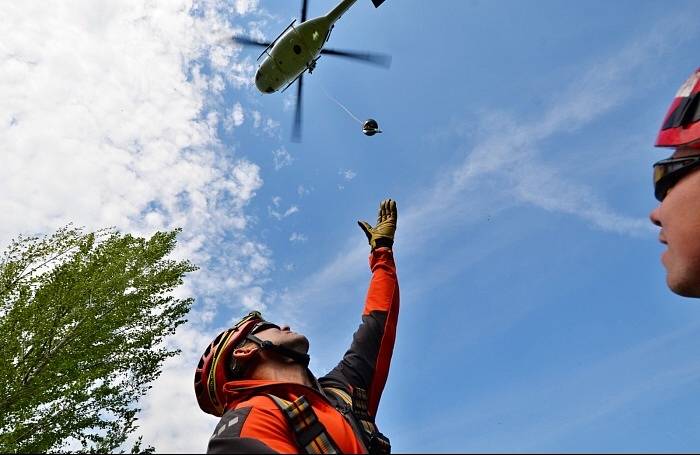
[{"x": 298, "y": 357}]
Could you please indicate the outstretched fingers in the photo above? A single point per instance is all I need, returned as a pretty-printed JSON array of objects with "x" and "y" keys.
[{"x": 393, "y": 213}]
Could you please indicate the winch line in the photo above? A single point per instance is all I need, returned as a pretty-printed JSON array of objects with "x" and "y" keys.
[{"x": 341, "y": 105}]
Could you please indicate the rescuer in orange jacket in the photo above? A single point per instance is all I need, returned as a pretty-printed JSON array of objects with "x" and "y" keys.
[
  {"x": 255, "y": 375},
  {"x": 677, "y": 187}
]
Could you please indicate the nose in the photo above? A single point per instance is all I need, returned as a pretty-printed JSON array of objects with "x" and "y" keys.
[
  {"x": 285, "y": 328},
  {"x": 262, "y": 83},
  {"x": 259, "y": 80},
  {"x": 654, "y": 216}
]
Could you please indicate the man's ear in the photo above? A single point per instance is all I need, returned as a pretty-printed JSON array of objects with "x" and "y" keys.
[{"x": 245, "y": 353}]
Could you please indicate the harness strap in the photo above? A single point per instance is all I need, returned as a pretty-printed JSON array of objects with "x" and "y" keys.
[
  {"x": 310, "y": 434},
  {"x": 376, "y": 442}
]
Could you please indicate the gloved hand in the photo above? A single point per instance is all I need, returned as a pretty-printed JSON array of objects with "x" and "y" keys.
[{"x": 382, "y": 235}]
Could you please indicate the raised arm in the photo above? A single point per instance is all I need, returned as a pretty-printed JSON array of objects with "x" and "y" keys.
[{"x": 366, "y": 363}]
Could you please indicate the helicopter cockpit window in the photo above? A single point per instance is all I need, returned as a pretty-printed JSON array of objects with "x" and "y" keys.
[
  {"x": 257, "y": 76},
  {"x": 297, "y": 49}
]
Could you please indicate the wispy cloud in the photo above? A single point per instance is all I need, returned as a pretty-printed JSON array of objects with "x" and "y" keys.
[
  {"x": 348, "y": 174},
  {"x": 303, "y": 191},
  {"x": 281, "y": 158},
  {"x": 297, "y": 238},
  {"x": 235, "y": 118},
  {"x": 504, "y": 168},
  {"x": 275, "y": 213}
]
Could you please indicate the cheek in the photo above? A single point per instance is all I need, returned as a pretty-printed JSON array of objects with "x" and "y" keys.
[{"x": 681, "y": 218}]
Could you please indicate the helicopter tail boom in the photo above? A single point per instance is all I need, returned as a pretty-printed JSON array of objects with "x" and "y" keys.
[{"x": 343, "y": 6}]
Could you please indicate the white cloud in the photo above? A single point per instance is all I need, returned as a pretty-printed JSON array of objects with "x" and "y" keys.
[
  {"x": 96, "y": 138},
  {"x": 303, "y": 191},
  {"x": 291, "y": 210},
  {"x": 105, "y": 121},
  {"x": 348, "y": 174},
  {"x": 288, "y": 102},
  {"x": 257, "y": 119},
  {"x": 297, "y": 238},
  {"x": 245, "y": 6},
  {"x": 279, "y": 215},
  {"x": 281, "y": 158},
  {"x": 271, "y": 127},
  {"x": 236, "y": 117},
  {"x": 253, "y": 300},
  {"x": 171, "y": 419}
]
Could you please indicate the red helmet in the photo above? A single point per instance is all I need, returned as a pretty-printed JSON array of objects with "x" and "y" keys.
[
  {"x": 215, "y": 369},
  {"x": 681, "y": 126}
]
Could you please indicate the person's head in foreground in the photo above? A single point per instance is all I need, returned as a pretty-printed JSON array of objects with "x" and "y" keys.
[{"x": 677, "y": 187}]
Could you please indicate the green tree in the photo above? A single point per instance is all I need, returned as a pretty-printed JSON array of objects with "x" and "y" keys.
[{"x": 83, "y": 317}]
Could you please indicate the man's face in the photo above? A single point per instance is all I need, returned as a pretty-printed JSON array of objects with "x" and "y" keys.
[
  {"x": 283, "y": 336},
  {"x": 678, "y": 215}
]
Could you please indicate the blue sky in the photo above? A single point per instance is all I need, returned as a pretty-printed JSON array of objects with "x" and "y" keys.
[{"x": 518, "y": 142}]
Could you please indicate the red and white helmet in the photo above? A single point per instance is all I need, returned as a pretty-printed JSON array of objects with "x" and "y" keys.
[
  {"x": 214, "y": 368},
  {"x": 681, "y": 127}
]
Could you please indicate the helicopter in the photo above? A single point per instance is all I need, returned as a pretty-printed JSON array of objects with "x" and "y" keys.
[{"x": 297, "y": 50}]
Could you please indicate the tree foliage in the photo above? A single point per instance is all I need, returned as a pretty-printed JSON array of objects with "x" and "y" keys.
[{"x": 83, "y": 317}]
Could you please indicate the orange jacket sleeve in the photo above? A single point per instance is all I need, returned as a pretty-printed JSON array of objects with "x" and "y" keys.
[{"x": 366, "y": 363}]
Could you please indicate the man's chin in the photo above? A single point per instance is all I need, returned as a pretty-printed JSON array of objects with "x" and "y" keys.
[
  {"x": 300, "y": 344},
  {"x": 684, "y": 288}
]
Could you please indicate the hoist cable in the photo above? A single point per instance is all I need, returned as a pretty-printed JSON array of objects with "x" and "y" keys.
[{"x": 342, "y": 106}]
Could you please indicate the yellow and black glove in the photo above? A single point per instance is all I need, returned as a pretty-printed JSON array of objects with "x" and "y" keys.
[{"x": 382, "y": 235}]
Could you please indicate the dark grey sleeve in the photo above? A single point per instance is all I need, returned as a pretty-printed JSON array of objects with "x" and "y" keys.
[{"x": 357, "y": 367}]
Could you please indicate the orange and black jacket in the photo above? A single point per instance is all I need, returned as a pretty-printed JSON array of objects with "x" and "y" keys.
[{"x": 254, "y": 423}]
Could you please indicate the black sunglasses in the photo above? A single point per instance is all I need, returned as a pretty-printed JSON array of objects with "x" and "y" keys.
[
  {"x": 263, "y": 325},
  {"x": 669, "y": 171}
]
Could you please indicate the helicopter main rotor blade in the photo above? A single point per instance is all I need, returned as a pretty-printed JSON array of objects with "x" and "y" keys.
[
  {"x": 246, "y": 41},
  {"x": 383, "y": 60},
  {"x": 296, "y": 131},
  {"x": 304, "y": 7}
]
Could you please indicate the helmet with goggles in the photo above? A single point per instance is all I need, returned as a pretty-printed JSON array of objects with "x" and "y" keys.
[
  {"x": 680, "y": 128},
  {"x": 217, "y": 366}
]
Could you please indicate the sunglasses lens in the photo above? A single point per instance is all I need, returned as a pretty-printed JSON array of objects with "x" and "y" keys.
[
  {"x": 668, "y": 172},
  {"x": 660, "y": 171},
  {"x": 263, "y": 326}
]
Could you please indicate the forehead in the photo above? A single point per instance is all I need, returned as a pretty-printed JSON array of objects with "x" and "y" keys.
[{"x": 682, "y": 152}]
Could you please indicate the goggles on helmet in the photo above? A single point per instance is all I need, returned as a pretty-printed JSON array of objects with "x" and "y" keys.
[
  {"x": 669, "y": 171},
  {"x": 263, "y": 325}
]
